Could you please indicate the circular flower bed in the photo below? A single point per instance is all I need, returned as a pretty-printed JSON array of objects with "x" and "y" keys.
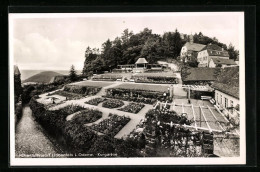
[{"x": 113, "y": 103}]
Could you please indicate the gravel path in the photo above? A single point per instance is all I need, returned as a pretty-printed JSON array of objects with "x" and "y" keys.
[{"x": 29, "y": 137}]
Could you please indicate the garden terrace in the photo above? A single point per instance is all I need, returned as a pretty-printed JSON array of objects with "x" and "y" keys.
[
  {"x": 84, "y": 90},
  {"x": 113, "y": 103},
  {"x": 112, "y": 125},
  {"x": 132, "y": 107},
  {"x": 95, "y": 101},
  {"x": 87, "y": 116}
]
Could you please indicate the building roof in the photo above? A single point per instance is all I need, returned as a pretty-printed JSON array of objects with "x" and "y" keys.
[
  {"x": 201, "y": 74},
  {"x": 223, "y": 61},
  {"x": 215, "y": 50},
  {"x": 141, "y": 61},
  {"x": 16, "y": 70},
  {"x": 194, "y": 46},
  {"x": 228, "y": 81}
]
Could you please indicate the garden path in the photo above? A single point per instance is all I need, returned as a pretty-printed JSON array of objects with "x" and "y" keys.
[{"x": 29, "y": 137}]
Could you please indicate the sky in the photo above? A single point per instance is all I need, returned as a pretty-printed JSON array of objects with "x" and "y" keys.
[{"x": 56, "y": 41}]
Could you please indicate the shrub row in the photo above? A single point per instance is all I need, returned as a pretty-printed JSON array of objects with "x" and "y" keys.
[{"x": 132, "y": 107}]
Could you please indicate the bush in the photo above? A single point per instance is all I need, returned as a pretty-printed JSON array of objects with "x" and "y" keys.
[{"x": 113, "y": 103}]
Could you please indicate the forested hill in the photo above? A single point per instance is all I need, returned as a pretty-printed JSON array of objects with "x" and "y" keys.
[
  {"x": 127, "y": 48},
  {"x": 43, "y": 77}
]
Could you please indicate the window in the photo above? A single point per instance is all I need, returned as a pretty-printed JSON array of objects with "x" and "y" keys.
[
  {"x": 220, "y": 99},
  {"x": 231, "y": 103},
  {"x": 217, "y": 97},
  {"x": 226, "y": 102}
]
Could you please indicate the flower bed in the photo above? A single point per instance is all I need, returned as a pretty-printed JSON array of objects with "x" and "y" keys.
[
  {"x": 112, "y": 125},
  {"x": 87, "y": 116},
  {"x": 148, "y": 97},
  {"x": 68, "y": 95},
  {"x": 157, "y": 80},
  {"x": 95, "y": 101},
  {"x": 134, "y": 99},
  {"x": 132, "y": 107},
  {"x": 84, "y": 90},
  {"x": 113, "y": 103}
]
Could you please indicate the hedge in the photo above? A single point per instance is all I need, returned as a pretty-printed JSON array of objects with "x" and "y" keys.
[{"x": 70, "y": 134}]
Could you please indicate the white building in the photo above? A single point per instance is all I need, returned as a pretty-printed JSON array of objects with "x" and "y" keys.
[
  {"x": 190, "y": 50},
  {"x": 211, "y": 51},
  {"x": 227, "y": 92}
]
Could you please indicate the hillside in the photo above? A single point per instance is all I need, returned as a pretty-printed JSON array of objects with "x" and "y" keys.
[{"x": 43, "y": 77}]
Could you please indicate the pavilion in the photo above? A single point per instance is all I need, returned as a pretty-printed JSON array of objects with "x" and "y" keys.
[{"x": 141, "y": 63}]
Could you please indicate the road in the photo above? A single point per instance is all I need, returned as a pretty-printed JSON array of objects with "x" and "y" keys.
[{"x": 30, "y": 138}]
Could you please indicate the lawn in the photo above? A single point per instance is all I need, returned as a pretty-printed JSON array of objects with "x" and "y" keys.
[
  {"x": 145, "y": 87},
  {"x": 93, "y": 83}
]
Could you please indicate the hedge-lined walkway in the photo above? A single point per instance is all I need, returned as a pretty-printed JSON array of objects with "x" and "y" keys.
[{"x": 29, "y": 137}]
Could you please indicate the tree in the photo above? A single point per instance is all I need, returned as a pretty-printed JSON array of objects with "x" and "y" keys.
[
  {"x": 126, "y": 36},
  {"x": 233, "y": 54},
  {"x": 151, "y": 49},
  {"x": 73, "y": 75},
  {"x": 177, "y": 44},
  {"x": 172, "y": 44},
  {"x": 17, "y": 87},
  {"x": 97, "y": 65}
]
